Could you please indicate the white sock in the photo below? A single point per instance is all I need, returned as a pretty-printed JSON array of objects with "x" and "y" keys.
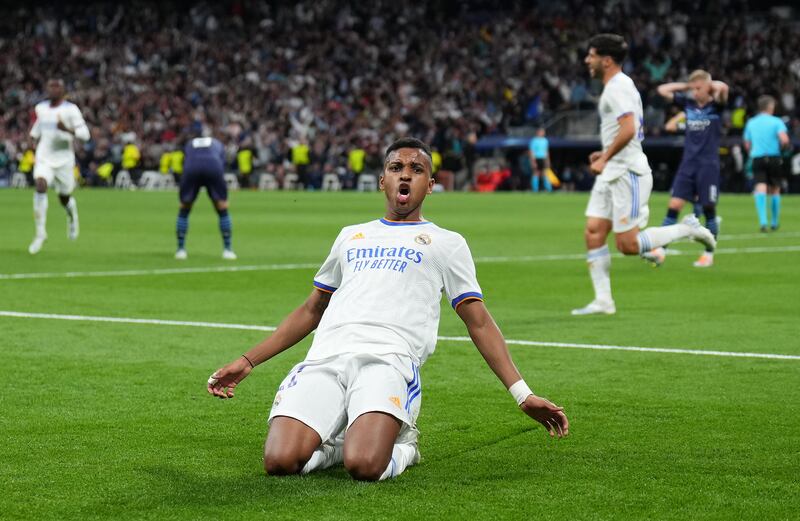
[
  {"x": 599, "y": 260},
  {"x": 402, "y": 457},
  {"x": 71, "y": 208},
  {"x": 325, "y": 456},
  {"x": 40, "y": 213},
  {"x": 657, "y": 236}
]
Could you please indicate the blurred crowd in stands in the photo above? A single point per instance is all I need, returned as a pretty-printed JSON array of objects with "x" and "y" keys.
[{"x": 322, "y": 86}]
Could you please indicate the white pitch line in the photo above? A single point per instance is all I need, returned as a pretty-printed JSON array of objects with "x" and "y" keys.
[
  {"x": 582, "y": 256},
  {"x": 760, "y": 235},
  {"x": 304, "y": 266},
  {"x": 222, "y": 325},
  {"x": 605, "y": 347},
  {"x": 121, "y": 320},
  {"x": 162, "y": 271}
]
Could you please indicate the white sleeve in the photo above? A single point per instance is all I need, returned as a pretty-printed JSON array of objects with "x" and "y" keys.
[
  {"x": 79, "y": 125},
  {"x": 36, "y": 129},
  {"x": 460, "y": 282},
  {"x": 621, "y": 104},
  {"x": 329, "y": 276}
]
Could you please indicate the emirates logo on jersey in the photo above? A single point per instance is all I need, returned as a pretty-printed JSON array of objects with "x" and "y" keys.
[{"x": 423, "y": 238}]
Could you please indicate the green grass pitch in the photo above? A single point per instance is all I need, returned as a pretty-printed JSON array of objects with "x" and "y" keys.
[{"x": 111, "y": 420}]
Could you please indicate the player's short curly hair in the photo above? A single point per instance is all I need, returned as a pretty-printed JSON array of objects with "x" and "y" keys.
[
  {"x": 409, "y": 142},
  {"x": 611, "y": 45}
]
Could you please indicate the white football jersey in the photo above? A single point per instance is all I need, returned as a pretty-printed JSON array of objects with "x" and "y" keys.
[
  {"x": 55, "y": 146},
  {"x": 387, "y": 280},
  {"x": 620, "y": 98}
]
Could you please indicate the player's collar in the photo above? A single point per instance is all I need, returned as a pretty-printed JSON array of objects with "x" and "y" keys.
[{"x": 387, "y": 222}]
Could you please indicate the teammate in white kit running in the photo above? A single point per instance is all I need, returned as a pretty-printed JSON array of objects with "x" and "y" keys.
[
  {"x": 621, "y": 191},
  {"x": 375, "y": 308},
  {"x": 57, "y": 122}
]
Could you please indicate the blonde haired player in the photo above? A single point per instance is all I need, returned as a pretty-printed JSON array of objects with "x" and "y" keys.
[
  {"x": 375, "y": 307},
  {"x": 698, "y": 177},
  {"x": 57, "y": 123},
  {"x": 621, "y": 191}
]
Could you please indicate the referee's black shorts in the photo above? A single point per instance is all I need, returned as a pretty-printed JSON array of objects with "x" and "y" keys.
[{"x": 769, "y": 170}]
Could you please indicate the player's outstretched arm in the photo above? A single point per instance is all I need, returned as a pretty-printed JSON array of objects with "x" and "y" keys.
[
  {"x": 293, "y": 329},
  {"x": 668, "y": 90},
  {"x": 487, "y": 338}
]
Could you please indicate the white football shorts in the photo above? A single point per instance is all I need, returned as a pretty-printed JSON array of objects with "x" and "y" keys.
[
  {"x": 61, "y": 178},
  {"x": 328, "y": 395},
  {"x": 623, "y": 201}
]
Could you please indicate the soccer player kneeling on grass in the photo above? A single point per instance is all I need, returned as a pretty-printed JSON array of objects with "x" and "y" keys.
[{"x": 375, "y": 307}]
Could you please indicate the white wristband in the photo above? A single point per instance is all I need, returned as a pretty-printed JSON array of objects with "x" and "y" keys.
[{"x": 520, "y": 391}]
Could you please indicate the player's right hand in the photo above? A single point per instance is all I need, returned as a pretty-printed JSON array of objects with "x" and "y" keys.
[
  {"x": 548, "y": 414},
  {"x": 224, "y": 380},
  {"x": 594, "y": 156}
]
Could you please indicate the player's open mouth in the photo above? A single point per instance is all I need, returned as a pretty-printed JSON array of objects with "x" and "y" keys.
[{"x": 403, "y": 193}]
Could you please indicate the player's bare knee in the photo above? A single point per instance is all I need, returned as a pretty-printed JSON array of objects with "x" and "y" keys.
[
  {"x": 628, "y": 245},
  {"x": 365, "y": 467},
  {"x": 41, "y": 185},
  {"x": 591, "y": 234},
  {"x": 281, "y": 464}
]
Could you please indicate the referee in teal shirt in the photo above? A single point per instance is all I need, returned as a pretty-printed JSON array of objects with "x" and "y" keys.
[
  {"x": 764, "y": 136},
  {"x": 539, "y": 153}
]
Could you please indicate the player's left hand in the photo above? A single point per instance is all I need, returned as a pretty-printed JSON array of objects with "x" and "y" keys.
[
  {"x": 548, "y": 414},
  {"x": 224, "y": 380},
  {"x": 598, "y": 164}
]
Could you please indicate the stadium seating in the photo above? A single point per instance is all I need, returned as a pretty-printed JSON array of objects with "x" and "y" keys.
[
  {"x": 267, "y": 182},
  {"x": 231, "y": 181},
  {"x": 151, "y": 180},
  {"x": 331, "y": 183},
  {"x": 367, "y": 183},
  {"x": 19, "y": 180},
  {"x": 346, "y": 92},
  {"x": 291, "y": 181},
  {"x": 123, "y": 181}
]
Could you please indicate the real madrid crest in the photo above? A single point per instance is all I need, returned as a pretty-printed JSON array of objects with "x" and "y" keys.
[{"x": 423, "y": 238}]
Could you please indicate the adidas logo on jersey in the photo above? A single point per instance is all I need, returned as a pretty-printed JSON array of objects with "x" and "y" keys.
[{"x": 359, "y": 235}]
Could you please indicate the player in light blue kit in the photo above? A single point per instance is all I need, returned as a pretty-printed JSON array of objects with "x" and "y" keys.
[
  {"x": 764, "y": 136},
  {"x": 375, "y": 307}
]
